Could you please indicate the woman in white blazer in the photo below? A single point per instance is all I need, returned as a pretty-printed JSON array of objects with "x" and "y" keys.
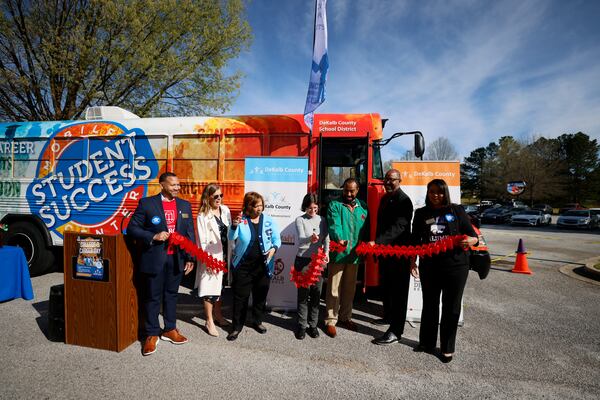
[{"x": 213, "y": 222}]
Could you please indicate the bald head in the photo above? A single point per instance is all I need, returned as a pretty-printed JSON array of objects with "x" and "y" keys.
[{"x": 392, "y": 180}]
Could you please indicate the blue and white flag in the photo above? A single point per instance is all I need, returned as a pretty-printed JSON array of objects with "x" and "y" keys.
[{"x": 320, "y": 64}]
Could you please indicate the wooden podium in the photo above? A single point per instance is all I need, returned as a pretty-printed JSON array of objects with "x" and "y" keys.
[{"x": 102, "y": 314}]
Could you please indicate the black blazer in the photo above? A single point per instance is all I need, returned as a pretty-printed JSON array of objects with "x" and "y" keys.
[
  {"x": 393, "y": 219},
  {"x": 143, "y": 230}
]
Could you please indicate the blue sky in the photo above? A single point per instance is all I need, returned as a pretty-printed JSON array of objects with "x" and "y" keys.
[{"x": 468, "y": 70}]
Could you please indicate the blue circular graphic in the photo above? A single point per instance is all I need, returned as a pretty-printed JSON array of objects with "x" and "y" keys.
[
  {"x": 91, "y": 177},
  {"x": 449, "y": 217},
  {"x": 156, "y": 220}
]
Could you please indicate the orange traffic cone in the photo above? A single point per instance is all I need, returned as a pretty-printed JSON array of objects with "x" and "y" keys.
[{"x": 521, "y": 265}]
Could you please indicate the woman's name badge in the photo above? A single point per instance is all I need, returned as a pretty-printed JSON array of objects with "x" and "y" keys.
[
  {"x": 449, "y": 217},
  {"x": 430, "y": 221}
]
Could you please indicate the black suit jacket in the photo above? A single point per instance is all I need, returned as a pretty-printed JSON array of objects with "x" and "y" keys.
[
  {"x": 142, "y": 228},
  {"x": 393, "y": 219}
]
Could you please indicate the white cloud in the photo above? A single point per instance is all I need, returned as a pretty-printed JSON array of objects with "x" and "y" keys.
[{"x": 462, "y": 69}]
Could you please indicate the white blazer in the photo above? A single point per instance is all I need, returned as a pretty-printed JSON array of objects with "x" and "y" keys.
[{"x": 209, "y": 238}]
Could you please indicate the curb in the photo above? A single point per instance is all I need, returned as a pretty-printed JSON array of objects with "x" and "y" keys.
[{"x": 588, "y": 267}]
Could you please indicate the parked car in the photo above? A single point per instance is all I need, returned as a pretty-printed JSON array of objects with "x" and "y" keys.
[
  {"x": 546, "y": 208},
  {"x": 471, "y": 209},
  {"x": 596, "y": 214},
  {"x": 518, "y": 204},
  {"x": 531, "y": 217},
  {"x": 570, "y": 206},
  {"x": 485, "y": 204},
  {"x": 583, "y": 219},
  {"x": 498, "y": 215}
]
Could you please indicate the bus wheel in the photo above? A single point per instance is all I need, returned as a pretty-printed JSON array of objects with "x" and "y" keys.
[{"x": 28, "y": 237}]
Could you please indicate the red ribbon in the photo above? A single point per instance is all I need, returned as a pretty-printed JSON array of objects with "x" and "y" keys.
[
  {"x": 384, "y": 250},
  {"x": 424, "y": 250},
  {"x": 213, "y": 265},
  {"x": 312, "y": 274},
  {"x": 336, "y": 247}
]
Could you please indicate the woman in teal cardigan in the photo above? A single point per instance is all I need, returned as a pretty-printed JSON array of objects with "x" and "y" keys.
[{"x": 256, "y": 239}]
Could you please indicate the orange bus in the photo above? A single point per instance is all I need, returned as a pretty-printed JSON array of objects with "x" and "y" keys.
[{"x": 88, "y": 175}]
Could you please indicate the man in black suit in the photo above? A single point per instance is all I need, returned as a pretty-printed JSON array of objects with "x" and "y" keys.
[
  {"x": 162, "y": 265},
  {"x": 393, "y": 228}
]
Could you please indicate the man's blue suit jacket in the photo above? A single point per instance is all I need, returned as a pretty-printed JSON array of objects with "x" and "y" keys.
[{"x": 148, "y": 220}]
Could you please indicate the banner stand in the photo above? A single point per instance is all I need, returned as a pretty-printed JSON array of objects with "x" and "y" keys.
[{"x": 282, "y": 181}]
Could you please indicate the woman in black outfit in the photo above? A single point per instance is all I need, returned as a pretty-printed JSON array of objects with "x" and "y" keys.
[{"x": 445, "y": 273}]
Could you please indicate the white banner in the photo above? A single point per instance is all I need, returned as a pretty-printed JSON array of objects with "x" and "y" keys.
[
  {"x": 415, "y": 176},
  {"x": 282, "y": 182}
]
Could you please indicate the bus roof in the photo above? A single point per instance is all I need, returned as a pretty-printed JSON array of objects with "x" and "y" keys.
[{"x": 330, "y": 125}]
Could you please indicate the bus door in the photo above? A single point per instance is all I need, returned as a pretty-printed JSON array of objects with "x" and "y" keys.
[{"x": 341, "y": 158}]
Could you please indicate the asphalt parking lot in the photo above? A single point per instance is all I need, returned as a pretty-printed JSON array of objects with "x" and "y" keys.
[{"x": 525, "y": 336}]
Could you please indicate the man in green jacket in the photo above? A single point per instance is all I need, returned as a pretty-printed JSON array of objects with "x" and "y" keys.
[{"x": 348, "y": 224}]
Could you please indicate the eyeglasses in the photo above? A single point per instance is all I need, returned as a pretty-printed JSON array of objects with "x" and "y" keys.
[{"x": 218, "y": 196}]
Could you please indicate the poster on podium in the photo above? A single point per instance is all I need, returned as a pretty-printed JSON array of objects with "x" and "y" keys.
[{"x": 282, "y": 181}]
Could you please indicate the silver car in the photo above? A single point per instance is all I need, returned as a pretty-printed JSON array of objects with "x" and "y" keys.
[
  {"x": 531, "y": 217},
  {"x": 583, "y": 219}
]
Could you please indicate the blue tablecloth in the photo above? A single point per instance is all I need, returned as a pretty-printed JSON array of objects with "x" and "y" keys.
[{"x": 14, "y": 274}]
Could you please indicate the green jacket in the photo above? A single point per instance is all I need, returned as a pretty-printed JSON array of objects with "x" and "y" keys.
[{"x": 352, "y": 226}]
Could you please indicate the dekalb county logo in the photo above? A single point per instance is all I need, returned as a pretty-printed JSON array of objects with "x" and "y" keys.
[
  {"x": 90, "y": 176},
  {"x": 278, "y": 267}
]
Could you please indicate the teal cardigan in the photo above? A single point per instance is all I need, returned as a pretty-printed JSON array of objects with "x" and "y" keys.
[{"x": 268, "y": 238}]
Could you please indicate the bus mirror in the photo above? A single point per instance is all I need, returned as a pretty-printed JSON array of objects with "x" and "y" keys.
[{"x": 419, "y": 145}]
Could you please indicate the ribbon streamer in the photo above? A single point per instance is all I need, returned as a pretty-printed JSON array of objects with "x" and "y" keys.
[
  {"x": 424, "y": 250},
  {"x": 336, "y": 247},
  {"x": 313, "y": 272},
  {"x": 213, "y": 265}
]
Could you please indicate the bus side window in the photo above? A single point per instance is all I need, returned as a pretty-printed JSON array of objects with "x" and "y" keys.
[
  {"x": 5, "y": 158},
  {"x": 158, "y": 146},
  {"x": 108, "y": 155},
  {"x": 27, "y": 156},
  {"x": 68, "y": 152},
  {"x": 196, "y": 158},
  {"x": 235, "y": 149}
]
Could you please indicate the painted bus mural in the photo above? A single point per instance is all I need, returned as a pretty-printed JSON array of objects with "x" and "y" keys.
[{"x": 87, "y": 176}]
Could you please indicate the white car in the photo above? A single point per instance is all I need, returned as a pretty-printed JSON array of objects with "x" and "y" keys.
[
  {"x": 583, "y": 219},
  {"x": 531, "y": 217}
]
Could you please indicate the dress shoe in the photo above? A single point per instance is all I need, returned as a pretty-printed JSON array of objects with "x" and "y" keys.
[
  {"x": 174, "y": 337},
  {"x": 388, "y": 338},
  {"x": 300, "y": 333},
  {"x": 260, "y": 328},
  {"x": 233, "y": 335},
  {"x": 313, "y": 332},
  {"x": 351, "y": 326},
  {"x": 211, "y": 329},
  {"x": 150, "y": 345},
  {"x": 445, "y": 359},
  {"x": 330, "y": 331},
  {"x": 381, "y": 321},
  {"x": 423, "y": 349}
]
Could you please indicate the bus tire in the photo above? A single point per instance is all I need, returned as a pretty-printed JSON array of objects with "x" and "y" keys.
[{"x": 28, "y": 237}]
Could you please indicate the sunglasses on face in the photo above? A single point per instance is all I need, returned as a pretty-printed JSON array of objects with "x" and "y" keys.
[{"x": 218, "y": 196}]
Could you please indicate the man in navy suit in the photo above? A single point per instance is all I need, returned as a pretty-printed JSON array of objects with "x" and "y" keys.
[{"x": 162, "y": 266}]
